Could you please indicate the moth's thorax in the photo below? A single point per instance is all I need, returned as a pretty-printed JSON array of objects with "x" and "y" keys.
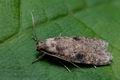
[{"x": 78, "y": 50}]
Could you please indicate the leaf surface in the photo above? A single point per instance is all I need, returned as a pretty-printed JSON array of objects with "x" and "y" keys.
[{"x": 90, "y": 18}]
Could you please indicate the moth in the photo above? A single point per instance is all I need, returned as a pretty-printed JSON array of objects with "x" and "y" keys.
[{"x": 76, "y": 49}]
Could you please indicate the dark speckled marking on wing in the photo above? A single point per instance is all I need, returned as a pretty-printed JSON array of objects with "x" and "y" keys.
[{"x": 79, "y": 58}]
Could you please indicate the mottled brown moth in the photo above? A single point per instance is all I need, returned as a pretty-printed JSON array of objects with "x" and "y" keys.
[{"x": 76, "y": 49}]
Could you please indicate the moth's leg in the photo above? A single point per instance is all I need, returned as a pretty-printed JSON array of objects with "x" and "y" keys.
[
  {"x": 58, "y": 61},
  {"x": 95, "y": 67},
  {"x": 65, "y": 66},
  {"x": 38, "y": 58},
  {"x": 60, "y": 35},
  {"x": 74, "y": 65}
]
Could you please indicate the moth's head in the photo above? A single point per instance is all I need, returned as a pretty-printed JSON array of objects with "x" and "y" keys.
[
  {"x": 51, "y": 45},
  {"x": 48, "y": 45},
  {"x": 41, "y": 45}
]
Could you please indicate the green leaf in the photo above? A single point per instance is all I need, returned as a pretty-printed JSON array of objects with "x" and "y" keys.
[{"x": 90, "y": 18}]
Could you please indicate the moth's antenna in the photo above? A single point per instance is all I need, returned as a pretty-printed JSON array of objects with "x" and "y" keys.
[{"x": 34, "y": 36}]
